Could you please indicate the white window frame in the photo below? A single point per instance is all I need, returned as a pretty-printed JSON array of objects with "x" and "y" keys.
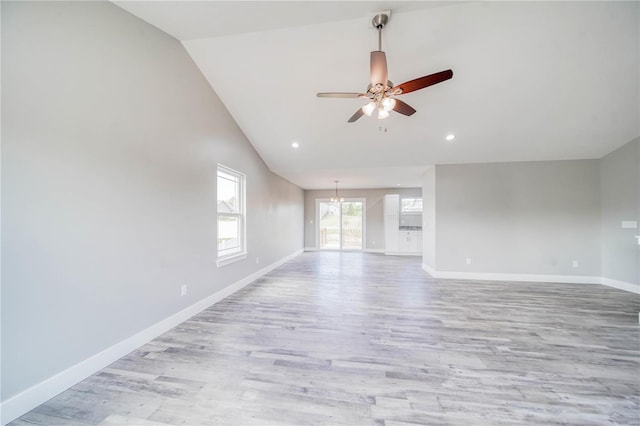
[
  {"x": 410, "y": 211},
  {"x": 241, "y": 253}
]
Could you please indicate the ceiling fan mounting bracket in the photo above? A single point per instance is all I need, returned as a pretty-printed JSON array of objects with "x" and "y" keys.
[{"x": 381, "y": 19}]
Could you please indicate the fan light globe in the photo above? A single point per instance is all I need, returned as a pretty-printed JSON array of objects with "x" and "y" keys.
[
  {"x": 388, "y": 104},
  {"x": 382, "y": 114},
  {"x": 368, "y": 108}
]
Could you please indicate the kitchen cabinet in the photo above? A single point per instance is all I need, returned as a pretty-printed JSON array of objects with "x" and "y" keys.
[
  {"x": 399, "y": 238},
  {"x": 391, "y": 222},
  {"x": 391, "y": 205},
  {"x": 410, "y": 241}
]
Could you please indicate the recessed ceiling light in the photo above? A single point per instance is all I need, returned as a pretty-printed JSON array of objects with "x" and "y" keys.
[
  {"x": 397, "y": 184},
  {"x": 450, "y": 137},
  {"x": 295, "y": 145}
]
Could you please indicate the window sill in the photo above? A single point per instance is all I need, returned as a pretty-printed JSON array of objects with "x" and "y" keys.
[{"x": 231, "y": 259}]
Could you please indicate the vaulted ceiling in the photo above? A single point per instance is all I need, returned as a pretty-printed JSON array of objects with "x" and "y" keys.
[{"x": 532, "y": 81}]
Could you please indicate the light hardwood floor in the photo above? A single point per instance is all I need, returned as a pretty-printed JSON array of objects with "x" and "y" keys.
[{"x": 364, "y": 339}]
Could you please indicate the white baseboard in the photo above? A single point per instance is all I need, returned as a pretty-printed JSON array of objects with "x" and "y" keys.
[
  {"x": 27, "y": 400},
  {"x": 395, "y": 253},
  {"x": 429, "y": 270},
  {"x": 568, "y": 279},
  {"x": 491, "y": 276},
  {"x": 621, "y": 285},
  {"x": 374, "y": 251},
  {"x": 366, "y": 250}
]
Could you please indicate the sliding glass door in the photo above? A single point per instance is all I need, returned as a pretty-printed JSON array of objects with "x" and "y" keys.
[
  {"x": 340, "y": 225},
  {"x": 329, "y": 225},
  {"x": 351, "y": 225}
]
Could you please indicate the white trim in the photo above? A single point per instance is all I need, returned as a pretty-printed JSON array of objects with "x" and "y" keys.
[
  {"x": 491, "y": 276},
  {"x": 621, "y": 285},
  {"x": 231, "y": 259},
  {"x": 374, "y": 251},
  {"x": 30, "y": 398},
  {"x": 241, "y": 214},
  {"x": 402, "y": 253},
  {"x": 567, "y": 279},
  {"x": 429, "y": 270}
]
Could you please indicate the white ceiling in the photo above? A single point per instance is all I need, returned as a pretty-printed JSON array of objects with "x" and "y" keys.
[{"x": 532, "y": 81}]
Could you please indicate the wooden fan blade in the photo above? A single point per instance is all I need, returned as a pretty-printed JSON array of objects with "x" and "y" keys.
[
  {"x": 355, "y": 116},
  {"x": 340, "y": 95},
  {"x": 422, "y": 82},
  {"x": 403, "y": 108},
  {"x": 378, "y": 68}
]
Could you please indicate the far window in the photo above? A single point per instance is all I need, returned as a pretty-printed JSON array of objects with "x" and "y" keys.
[
  {"x": 411, "y": 205},
  {"x": 231, "y": 216}
]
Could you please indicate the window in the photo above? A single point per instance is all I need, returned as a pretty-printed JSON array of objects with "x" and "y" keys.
[
  {"x": 231, "y": 216},
  {"x": 411, "y": 205}
]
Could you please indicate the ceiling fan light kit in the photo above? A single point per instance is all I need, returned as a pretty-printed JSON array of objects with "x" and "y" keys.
[{"x": 381, "y": 93}]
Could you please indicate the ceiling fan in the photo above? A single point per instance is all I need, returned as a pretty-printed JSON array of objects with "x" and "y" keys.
[{"x": 381, "y": 93}]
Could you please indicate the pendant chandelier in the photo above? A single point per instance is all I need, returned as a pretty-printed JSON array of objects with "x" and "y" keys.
[{"x": 337, "y": 199}]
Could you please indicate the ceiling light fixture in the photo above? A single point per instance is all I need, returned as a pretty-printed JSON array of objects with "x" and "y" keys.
[
  {"x": 382, "y": 103},
  {"x": 368, "y": 108},
  {"x": 337, "y": 199},
  {"x": 382, "y": 114},
  {"x": 450, "y": 137},
  {"x": 295, "y": 145}
]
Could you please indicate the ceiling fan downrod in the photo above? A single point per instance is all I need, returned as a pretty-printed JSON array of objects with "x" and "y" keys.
[{"x": 379, "y": 21}]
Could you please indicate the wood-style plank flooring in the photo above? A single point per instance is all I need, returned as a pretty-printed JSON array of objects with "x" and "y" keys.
[{"x": 363, "y": 339}]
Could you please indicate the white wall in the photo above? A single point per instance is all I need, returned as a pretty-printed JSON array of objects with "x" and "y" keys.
[
  {"x": 374, "y": 232},
  {"x": 518, "y": 218},
  {"x": 620, "y": 183},
  {"x": 110, "y": 142}
]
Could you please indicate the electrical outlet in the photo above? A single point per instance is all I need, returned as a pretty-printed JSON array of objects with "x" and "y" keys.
[
  {"x": 575, "y": 263},
  {"x": 257, "y": 260},
  {"x": 468, "y": 260},
  {"x": 373, "y": 243},
  {"x": 183, "y": 290}
]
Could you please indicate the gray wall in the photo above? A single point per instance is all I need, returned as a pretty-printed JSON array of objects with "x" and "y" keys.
[
  {"x": 524, "y": 218},
  {"x": 374, "y": 238},
  {"x": 620, "y": 201},
  {"x": 429, "y": 218},
  {"x": 110, "y": 142}
]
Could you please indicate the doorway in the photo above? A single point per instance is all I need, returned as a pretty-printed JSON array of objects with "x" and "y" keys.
[{"x": 340, "y": 224}]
